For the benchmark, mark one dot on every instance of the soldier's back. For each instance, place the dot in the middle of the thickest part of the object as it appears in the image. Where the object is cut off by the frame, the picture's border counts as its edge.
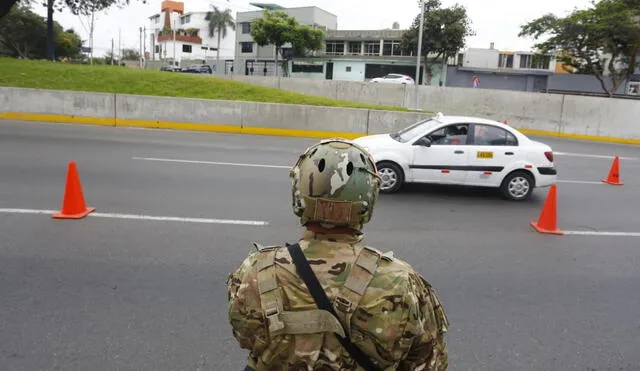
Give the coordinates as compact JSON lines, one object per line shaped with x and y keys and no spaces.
{"x":398,"y":320}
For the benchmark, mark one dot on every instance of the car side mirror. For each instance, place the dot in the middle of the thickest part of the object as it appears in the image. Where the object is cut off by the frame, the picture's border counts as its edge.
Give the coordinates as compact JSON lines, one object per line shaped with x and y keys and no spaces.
{"x":425,"y":142}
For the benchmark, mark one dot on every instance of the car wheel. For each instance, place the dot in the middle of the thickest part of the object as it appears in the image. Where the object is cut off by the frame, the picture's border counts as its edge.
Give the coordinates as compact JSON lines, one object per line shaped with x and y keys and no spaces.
{"x":517,"y":186}
{"x":391,"y":177}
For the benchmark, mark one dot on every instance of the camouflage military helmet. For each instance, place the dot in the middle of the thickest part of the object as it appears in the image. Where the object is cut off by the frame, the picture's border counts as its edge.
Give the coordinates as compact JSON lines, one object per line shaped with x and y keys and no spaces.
{"x":335,"y":182}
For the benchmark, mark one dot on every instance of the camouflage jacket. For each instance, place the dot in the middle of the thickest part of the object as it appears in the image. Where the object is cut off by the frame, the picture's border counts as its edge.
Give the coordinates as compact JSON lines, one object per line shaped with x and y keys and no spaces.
{"x":399,"y":321}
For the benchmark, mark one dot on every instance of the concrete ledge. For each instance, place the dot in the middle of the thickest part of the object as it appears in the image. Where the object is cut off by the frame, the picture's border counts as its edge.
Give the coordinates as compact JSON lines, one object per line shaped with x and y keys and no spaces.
{"x":76,"y":104}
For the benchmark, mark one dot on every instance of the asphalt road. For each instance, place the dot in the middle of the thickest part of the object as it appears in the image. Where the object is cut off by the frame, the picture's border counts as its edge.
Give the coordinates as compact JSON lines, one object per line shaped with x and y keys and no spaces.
{"x":115,"y":294}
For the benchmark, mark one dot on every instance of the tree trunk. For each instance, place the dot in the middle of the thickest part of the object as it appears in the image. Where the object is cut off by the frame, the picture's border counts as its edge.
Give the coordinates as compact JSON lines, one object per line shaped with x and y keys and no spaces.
{"x":218,"y":49}
{"x":50,"y":42}
{"x":428,"y":74}
{"x":5,"y":7}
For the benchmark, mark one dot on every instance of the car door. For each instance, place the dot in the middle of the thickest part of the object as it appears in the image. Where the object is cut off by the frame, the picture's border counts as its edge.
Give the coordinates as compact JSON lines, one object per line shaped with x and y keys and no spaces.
{"x":492,"y":149}
{"x":445,"y":159}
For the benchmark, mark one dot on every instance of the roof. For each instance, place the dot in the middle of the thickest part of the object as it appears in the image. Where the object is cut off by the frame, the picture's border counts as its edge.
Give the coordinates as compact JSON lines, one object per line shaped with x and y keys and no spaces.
{"x":269,"y":6}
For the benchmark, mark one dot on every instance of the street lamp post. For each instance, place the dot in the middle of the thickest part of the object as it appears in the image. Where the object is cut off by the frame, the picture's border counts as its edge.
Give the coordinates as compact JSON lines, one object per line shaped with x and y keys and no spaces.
{"x":421,"y":30}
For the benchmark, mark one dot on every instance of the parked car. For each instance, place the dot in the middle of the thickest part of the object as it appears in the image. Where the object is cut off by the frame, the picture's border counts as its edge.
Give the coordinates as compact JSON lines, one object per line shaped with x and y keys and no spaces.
{"x":459,"y":150}
{"x":394,"y":78}
{"x":198,"y":68}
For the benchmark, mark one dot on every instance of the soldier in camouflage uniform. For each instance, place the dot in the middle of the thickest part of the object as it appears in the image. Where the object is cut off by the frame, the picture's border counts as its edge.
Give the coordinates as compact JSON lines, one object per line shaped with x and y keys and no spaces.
{"x":392,"y":314}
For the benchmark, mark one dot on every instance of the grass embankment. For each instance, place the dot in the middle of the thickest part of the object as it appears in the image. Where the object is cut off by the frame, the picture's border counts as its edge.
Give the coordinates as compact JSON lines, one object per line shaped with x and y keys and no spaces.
{"x":123,"y":80}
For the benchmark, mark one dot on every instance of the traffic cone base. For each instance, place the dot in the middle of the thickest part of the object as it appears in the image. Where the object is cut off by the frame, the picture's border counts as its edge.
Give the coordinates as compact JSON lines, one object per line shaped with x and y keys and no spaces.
{"x":73,"y":205}
{"x":540,"y":229}
{"x":81,"y":215}
{"x":614,"y":173}
{"x":547,"y":222}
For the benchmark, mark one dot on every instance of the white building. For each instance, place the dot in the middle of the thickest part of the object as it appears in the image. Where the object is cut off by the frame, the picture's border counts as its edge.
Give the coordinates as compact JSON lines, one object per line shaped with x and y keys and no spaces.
{"x":177,"y":36}
{"x":519,"y":60}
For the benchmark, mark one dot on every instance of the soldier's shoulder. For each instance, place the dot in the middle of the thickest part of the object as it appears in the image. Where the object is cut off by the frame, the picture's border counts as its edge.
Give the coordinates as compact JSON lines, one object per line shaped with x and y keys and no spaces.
{"x":388,"y":262}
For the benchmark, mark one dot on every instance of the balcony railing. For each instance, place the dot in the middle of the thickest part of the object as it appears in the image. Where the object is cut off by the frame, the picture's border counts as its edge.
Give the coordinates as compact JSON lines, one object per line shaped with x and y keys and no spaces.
{"x":190,"y":35}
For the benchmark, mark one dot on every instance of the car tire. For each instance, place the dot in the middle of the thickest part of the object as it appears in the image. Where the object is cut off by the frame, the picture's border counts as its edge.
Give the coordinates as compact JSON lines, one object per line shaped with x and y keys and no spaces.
{"x":517,"y":186}
{"x":392,"y":176}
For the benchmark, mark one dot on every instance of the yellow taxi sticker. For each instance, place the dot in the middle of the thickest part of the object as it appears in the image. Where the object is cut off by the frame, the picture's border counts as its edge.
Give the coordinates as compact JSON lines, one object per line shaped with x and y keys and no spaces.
{"x":485,"y":154}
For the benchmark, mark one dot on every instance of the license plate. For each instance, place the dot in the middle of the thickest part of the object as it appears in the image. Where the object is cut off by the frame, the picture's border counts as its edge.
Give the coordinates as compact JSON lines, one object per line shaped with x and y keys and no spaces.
{"x":485,"y":154}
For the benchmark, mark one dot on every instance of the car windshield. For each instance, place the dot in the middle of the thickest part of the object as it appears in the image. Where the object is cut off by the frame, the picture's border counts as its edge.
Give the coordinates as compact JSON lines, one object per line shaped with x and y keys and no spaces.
{"x":410,"y":132}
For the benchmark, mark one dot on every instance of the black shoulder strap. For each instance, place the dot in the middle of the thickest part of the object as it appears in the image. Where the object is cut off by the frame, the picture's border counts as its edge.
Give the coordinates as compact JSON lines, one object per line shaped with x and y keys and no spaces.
{"x":316,"y":290}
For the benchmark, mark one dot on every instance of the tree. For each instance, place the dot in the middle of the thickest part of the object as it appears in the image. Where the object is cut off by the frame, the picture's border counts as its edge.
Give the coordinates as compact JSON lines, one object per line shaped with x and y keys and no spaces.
{"x":219,"y":21}
{"x":77,"y":7}
{"x":603,"y":41}
{"x":22,"y":35}
{"x":277,"y":28}
{"x":444,"y":33}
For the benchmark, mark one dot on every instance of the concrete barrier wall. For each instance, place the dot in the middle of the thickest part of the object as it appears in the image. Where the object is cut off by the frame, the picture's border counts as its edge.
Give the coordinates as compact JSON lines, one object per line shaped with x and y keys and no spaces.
{"x":555,"y":114}
{"x":59,"y":102}
{"x":568,"y":114}
{"x":181,"y":110}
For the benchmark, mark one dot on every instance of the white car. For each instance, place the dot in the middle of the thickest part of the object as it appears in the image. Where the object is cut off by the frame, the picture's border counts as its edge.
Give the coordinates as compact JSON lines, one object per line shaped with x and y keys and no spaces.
{"x":394,"y":78}
{"x":460,"y":150}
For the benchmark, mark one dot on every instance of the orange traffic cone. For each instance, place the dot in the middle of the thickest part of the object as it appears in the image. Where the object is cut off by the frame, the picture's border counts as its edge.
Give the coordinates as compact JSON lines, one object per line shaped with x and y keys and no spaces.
{"x":614,"y":173}
{"x":548,"y":221}
{"x":73,"y":206}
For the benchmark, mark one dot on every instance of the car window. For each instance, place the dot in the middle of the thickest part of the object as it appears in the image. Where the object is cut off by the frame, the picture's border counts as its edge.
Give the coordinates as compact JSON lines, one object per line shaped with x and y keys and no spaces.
{"x":450,"y":135}
{"x":412,"y":131}
{"x":487,"y":135}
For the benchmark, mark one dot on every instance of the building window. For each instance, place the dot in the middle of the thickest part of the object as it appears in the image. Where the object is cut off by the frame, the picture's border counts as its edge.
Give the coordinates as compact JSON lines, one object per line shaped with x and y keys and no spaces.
{"x":185,"y":19}
{"x":355,"y":47}
{"x":157,"y":48}
{"x":307,"y":68}
{"x":186,"y":48}
{"x":246,"y":27}
{"x":505,"y":61}
{"x":535,"y":61}
{"x":246,"y":47}
{"x":348,"y":69}
{"x":335,"y":48}
{"x":372,"y":48}
{"x":391,"y":48}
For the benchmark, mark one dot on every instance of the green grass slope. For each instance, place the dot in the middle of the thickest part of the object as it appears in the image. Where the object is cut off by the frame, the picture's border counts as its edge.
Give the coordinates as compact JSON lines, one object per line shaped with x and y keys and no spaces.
{"x":118,"y":79}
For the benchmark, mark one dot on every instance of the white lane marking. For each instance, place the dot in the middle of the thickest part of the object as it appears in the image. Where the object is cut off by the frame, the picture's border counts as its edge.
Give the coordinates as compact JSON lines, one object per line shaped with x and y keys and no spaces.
{"x":142,"y":217}
{"x":580,"y":182}
{"x":596,"y":233}
{"x":289,"y":167}
{"x":593,"y":156}
{"x":210,"y":162}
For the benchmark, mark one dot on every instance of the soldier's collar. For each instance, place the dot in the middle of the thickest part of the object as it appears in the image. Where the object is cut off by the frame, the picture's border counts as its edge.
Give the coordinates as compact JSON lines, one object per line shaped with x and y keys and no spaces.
{"x":338,"y":234}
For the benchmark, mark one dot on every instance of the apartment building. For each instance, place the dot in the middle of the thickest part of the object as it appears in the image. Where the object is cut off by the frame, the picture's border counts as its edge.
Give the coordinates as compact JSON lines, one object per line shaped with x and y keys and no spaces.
{"x":176,"y":35}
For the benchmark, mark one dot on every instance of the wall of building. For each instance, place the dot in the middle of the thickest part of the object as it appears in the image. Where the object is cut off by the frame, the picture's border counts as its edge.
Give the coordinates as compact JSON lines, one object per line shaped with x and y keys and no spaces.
{"x":348,"y":70}
{"x":304,"y":15}
{"x":481,"y":58}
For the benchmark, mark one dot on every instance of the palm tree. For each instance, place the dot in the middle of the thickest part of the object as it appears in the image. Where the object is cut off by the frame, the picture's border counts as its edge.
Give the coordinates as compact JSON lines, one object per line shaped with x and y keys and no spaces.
{"x":219,"y":21}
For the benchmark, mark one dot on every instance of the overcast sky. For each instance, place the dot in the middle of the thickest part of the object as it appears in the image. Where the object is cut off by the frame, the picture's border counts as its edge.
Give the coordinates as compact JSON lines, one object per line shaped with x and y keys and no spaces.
{"x":495,"y":21}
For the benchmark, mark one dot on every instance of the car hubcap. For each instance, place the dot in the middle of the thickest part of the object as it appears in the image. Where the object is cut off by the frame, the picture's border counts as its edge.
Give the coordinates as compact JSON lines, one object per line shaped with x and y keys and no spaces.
{"x":518,"y":187}
{"x":388,"y":178}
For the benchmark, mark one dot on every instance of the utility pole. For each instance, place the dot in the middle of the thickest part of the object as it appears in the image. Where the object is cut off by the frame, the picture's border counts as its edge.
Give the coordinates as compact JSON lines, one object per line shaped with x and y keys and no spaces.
{"x":419,"y":51}
{"x":140,"y":49}
{"x":119,"y":46}
{"x":91,"y":36}
{"x":112,"y":55}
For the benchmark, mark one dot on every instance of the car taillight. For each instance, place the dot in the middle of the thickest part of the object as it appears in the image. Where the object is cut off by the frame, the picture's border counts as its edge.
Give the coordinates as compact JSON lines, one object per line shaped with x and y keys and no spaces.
{"x":549,"y":155}
{"x":408,"y":78}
